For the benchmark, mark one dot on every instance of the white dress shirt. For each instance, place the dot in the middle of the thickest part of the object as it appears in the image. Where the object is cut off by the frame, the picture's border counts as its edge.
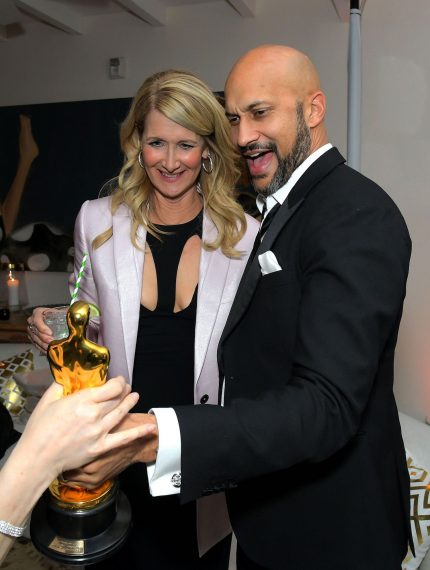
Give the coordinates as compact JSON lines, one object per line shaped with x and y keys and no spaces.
{"x":164,"y":475}
{"x":281,"y":195}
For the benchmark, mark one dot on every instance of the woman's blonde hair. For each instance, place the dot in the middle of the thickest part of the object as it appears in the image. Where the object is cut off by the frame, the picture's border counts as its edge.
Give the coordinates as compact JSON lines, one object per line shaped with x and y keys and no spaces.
{"x":186,"y":100}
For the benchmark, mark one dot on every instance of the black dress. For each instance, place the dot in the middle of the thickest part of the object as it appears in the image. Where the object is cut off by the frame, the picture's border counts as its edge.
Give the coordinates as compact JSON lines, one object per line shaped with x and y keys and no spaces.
{"x":164,"y":532}
{"x":8,"y":436}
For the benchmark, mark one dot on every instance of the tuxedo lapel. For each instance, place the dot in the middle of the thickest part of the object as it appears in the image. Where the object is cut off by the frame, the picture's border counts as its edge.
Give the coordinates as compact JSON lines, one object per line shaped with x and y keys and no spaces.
{"x":252,"y":271}
{"x":312,"y":176}
{"x":129,"y":268}
{"x":212,"y":277}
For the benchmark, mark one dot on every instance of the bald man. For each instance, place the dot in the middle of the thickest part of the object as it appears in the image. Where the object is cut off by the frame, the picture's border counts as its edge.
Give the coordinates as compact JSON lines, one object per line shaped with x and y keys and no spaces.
{"x":306,"y":442}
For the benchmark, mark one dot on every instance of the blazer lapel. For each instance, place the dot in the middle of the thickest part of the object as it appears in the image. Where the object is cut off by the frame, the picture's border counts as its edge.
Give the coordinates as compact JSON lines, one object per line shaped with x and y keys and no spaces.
{"x":212,"y":277}
{"x":129,"y":269}
{"x":314,"y":174}
{"x":129,"y":263}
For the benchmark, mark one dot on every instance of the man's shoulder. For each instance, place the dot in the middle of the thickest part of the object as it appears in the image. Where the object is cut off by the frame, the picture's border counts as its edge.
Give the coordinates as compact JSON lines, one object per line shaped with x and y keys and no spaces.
{"x":345,"y":190}
{"x":347,"y":184}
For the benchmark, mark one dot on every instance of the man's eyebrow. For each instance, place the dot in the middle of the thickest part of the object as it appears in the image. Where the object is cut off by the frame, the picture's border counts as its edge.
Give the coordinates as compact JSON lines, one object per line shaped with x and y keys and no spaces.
{"x":250,"y":107}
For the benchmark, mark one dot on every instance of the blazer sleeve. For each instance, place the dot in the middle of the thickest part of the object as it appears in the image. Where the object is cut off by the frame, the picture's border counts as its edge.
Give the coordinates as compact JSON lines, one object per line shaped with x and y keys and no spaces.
{"x":353,"y":268}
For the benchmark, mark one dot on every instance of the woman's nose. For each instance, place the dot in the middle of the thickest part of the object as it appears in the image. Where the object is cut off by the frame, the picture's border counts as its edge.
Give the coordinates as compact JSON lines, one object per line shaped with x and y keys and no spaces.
{"x":171,"y":161}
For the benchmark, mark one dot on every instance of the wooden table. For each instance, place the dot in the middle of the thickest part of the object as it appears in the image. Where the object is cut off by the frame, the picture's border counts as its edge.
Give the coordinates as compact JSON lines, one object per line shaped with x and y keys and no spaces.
{"x":15,"y":328}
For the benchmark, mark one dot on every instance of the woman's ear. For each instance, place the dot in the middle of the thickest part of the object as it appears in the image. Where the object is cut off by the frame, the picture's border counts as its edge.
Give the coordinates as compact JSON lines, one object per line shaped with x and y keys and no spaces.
{"x":205,"y":153}
{"x":316,"y":109}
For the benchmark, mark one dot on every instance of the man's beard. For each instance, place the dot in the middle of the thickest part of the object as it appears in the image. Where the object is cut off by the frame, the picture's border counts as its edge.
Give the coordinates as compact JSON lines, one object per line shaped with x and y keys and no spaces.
{"x":287,"y":165}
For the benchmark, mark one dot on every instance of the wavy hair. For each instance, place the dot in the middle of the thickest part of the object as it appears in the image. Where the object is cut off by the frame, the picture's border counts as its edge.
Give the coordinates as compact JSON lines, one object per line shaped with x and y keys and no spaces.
{"x":183,"y":98}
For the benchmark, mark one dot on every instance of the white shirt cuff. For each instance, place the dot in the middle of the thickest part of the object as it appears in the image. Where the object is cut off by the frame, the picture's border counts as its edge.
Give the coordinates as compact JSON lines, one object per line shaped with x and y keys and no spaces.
{"x":164,"y":475}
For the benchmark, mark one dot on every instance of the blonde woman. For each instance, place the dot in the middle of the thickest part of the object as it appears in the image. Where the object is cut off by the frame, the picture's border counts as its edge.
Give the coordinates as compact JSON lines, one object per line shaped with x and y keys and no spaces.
{"x":166,"y":253}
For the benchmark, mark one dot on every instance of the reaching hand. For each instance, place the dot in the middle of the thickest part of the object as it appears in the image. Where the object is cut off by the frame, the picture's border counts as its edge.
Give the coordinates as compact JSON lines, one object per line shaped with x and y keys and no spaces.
{"x":108,"y":465}
{"x":65,"y":433}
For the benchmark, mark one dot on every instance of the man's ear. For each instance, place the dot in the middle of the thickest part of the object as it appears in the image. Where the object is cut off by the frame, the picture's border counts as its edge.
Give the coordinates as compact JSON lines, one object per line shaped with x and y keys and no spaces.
{"x":316,"y":109}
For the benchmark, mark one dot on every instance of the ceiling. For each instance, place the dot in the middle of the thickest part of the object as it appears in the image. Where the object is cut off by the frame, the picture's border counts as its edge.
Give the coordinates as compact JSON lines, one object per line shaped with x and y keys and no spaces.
{"x":70,"y":15}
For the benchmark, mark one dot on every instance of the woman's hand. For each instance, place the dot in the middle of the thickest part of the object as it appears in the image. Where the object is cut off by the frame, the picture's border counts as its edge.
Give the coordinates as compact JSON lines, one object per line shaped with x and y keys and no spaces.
{"x":110,"y":464}
{"x":65,"y":433}
{"x":39,"y":333}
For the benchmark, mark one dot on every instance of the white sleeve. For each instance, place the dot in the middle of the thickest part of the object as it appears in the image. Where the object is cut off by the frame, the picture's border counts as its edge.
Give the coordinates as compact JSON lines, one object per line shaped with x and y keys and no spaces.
{"x":164,"y":475}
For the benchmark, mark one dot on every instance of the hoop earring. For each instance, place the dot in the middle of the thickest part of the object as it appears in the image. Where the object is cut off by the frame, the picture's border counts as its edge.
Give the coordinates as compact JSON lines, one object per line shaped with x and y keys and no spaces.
{"x":211,"y":164}
{"x":140,"y":160}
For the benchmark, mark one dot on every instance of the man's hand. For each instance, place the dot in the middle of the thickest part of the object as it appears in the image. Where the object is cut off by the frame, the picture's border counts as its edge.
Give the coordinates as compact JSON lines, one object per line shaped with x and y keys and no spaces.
{"x":114,"y":462}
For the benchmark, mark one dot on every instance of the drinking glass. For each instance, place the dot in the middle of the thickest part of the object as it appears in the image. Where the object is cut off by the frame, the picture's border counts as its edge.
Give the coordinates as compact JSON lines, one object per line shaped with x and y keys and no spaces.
{"x":56,"y":319}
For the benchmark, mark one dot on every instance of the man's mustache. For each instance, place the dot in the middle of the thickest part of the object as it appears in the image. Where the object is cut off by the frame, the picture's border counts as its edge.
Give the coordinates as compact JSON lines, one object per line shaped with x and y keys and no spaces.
{"x":256,"y":146}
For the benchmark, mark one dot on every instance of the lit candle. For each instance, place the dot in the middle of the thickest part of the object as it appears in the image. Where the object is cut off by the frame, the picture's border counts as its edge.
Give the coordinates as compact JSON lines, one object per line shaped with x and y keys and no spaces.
{"x":13,"y":291}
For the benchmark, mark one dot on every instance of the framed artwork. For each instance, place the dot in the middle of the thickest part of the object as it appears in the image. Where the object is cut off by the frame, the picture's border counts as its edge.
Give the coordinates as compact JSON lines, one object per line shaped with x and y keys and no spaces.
{"x":77,"y":151}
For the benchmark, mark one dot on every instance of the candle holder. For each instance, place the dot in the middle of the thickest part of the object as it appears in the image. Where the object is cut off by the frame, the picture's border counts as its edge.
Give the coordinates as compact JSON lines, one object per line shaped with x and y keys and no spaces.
{"x":12,"y":283}
{"x":72,"y":524}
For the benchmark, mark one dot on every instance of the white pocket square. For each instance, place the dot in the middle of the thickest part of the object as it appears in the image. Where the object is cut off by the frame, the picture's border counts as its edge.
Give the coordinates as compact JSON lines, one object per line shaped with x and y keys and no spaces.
{"x":268,"y":263}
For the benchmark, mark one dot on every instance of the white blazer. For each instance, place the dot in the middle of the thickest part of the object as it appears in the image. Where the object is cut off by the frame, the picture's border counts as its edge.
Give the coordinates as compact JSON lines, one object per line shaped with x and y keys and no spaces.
{"x":112,"y":280}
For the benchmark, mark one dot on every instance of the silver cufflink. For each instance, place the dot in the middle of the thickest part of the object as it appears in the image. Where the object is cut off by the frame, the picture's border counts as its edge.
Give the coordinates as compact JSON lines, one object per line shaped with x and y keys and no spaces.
{"x":176,"y":479}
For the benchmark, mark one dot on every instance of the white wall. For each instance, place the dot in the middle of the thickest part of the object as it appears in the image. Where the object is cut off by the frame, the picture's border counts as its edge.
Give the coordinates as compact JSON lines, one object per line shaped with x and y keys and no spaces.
{"x":396,"y":153}
{"x":47,"y":65}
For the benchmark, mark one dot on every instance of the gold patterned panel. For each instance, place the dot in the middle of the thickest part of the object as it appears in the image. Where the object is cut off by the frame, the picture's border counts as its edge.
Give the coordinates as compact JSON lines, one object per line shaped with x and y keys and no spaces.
{"x":420,"y":514}
{"x":12,"y":396}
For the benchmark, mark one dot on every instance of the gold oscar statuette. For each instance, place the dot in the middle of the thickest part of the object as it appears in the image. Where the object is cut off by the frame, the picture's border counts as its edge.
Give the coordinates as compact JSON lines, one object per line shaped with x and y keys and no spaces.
{"x":71,"y":523}
{"x":78,"y":363}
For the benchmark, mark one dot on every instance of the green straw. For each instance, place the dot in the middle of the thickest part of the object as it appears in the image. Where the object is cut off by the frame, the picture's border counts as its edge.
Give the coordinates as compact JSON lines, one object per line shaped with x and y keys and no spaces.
{"x":78,"y":280}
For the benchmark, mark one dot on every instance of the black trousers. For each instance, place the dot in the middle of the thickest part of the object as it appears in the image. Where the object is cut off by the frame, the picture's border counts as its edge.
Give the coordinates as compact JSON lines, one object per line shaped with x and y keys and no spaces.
{"x":166,"y":557}
{"x":245,"y":563}
{"x":163,"y":536}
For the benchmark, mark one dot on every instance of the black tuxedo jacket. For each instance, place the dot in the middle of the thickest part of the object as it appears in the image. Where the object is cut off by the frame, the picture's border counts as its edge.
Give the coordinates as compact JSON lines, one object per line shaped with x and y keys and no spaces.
{"x":308,"y":444}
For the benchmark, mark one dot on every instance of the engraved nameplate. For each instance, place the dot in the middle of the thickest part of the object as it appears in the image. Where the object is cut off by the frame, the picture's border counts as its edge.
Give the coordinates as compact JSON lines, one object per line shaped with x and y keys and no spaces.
{"x":67,"y":546}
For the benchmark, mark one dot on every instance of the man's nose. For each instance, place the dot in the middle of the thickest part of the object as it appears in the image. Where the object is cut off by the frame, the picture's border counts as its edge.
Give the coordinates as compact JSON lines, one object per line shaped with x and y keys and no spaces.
{"x":245,"y":133}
